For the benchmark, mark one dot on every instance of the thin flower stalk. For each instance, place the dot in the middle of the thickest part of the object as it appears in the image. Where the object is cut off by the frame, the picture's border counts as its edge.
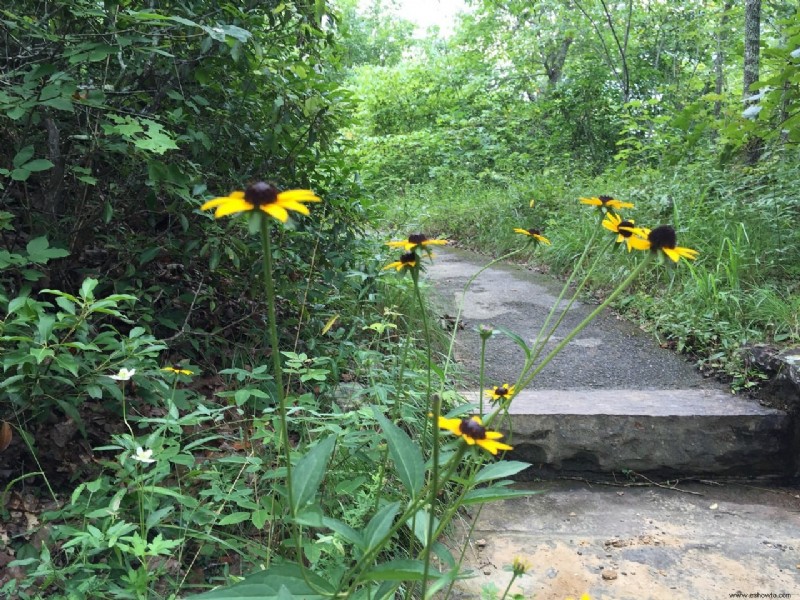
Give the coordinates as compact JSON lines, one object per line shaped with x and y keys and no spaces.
{"x":277,"y":369}
{"x":541,"y":338}
{"x":580,"y":327}
{"x":540,"y":344}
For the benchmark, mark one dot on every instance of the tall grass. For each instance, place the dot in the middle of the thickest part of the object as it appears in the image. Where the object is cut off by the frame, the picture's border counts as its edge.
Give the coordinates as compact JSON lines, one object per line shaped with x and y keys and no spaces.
{"x":744,"y":287}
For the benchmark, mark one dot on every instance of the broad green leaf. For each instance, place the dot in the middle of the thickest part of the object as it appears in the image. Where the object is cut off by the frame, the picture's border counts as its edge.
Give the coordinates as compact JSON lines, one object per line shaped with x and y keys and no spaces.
{"x":87,"y":288}
{"x":259,"y":517}
{"x":23,"y":156}
{"x":267,"y":584}
{"x":401,"y":569}
{"x":344,"y":530}
{"x":500,"y":469}
{"x":310,"y":516}
{"x":405,"y":454}
{"x":491,"y":494}
{"x":379,"y":525}
{"x":40,"y":164}
{"x":419,"y":525}
{"x":308,"y":473}
{"x":234,"y":518}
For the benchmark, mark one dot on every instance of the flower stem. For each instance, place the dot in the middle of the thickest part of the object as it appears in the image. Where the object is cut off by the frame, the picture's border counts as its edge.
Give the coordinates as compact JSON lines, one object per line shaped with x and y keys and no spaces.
{"x":591,"y":317}
{"x":277,"y":371}
{"x":434,"y":405}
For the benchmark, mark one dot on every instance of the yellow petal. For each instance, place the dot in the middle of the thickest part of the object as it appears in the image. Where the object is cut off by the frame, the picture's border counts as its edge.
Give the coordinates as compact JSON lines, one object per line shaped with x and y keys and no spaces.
{"x":639,"y":243}
{"x":298,"y":196}
{"x":592,"y":201}
{"x":275,"y":211}
{"x":295,"y":206}
{"x":231,"y":206}
{"x":451,"y":425}
{"x":434,"y":242}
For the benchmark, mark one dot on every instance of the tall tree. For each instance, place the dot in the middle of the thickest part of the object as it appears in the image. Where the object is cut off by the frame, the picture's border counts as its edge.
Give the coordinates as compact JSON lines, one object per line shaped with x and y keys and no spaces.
{"x":752,"y":41}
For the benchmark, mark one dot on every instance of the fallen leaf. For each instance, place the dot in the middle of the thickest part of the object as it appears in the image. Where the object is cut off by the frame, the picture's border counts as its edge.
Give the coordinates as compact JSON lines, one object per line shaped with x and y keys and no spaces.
{"x":5,"y":435}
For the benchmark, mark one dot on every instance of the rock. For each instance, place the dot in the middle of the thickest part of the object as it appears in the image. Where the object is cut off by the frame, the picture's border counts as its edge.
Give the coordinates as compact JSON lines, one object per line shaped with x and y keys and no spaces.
{"x":609,"y":574}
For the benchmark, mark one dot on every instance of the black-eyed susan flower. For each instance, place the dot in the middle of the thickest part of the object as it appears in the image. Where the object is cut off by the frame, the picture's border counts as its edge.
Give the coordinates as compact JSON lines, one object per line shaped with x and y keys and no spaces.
{"x":473,"y":432}
{"x":500,"y":392}
{"x":407,"y":261}
{"x":624,"y":228}
{"x":663,"y":238}
{"x":414,"y":241}
{"x":178,"y":370}
{"x":265,"y":197}
{"x":606,"y":202}
{"x":534,"y":234}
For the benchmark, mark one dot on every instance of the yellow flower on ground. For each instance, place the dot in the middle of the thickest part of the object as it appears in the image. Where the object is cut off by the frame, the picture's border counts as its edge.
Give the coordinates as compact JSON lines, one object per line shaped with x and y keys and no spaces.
{"x":178,"y":370}
{"x":583,"y":597}
{"x":407,"y":261}
{"x":520,"y":566}
{"x":665,"y":239}
{"x":606,"y":202}
{"x":624,"y":228}
{"x":500,"y":392}
{"x":473,"y":432}
{"x":533,"y":233}
{"x":414,"y":241}
{"x":265,"y":197}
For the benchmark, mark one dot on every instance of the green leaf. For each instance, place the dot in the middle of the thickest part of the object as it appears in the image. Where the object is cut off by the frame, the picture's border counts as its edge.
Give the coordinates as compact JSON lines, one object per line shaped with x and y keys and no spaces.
{"x":234,"y":518}
{"x":308,"y":473}
{"x":501,"y":469}
{"x":259,"y":517}
{"x":310,"y":516}
{"x":23,"y":156}
{"x":401,"y":569}
{"x":267,"y":584}
{"x":419,"y":525}
{"x":39,"y":250}
{"x":345,"y":531}
{"x":87,"y":288}
{"x":379,"y":525}
{"x":405,"y":454}
{"x":491,"y":494}
{"x":40,"y":164}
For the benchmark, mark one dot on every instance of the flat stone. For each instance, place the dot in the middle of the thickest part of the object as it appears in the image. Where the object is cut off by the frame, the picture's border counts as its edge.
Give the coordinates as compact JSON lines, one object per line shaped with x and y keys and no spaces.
{"x":665,"y":432}
{"x":662,"y":544}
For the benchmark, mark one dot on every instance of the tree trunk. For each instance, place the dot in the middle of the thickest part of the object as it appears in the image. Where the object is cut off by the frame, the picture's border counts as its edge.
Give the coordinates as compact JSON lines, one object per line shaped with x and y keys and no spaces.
{"x":752,"y":37}
{"x":554,"y":62}
{"x":719,"y":59}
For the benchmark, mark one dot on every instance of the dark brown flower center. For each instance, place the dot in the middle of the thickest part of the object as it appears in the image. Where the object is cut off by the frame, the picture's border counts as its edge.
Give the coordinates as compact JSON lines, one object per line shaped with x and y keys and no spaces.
{"x":501,"y":391}
{"x":623,"y":232}
{"x":535,"y":231}
{"x":408,"y":258}
{"x":605,"y":199}
{"x":261,"y":193}
{"x":662,"y":237}
{"x":417,"y":238}
{"x":473,"y":429}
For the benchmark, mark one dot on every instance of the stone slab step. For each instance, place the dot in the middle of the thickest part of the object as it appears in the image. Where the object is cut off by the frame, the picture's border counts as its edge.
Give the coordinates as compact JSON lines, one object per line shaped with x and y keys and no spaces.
{"x":665,"y":432}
